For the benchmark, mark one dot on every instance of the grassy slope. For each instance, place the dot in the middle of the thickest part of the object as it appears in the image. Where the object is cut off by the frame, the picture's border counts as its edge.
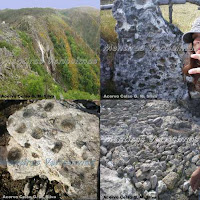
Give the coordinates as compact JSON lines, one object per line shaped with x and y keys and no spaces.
{"x":108,"y":26}
{"x":103,"y":2}
{"x":89,"y":18}
{"x":183,"y":15}
{"x":59,"y":27}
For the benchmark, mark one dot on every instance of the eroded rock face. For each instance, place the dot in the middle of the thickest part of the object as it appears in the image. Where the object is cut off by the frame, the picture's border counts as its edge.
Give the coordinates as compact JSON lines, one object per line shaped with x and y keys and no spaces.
{"x":105,"y":68}
{"x":149,"y":59}
{"x":53,"y":139}
{"x":9,"y":64}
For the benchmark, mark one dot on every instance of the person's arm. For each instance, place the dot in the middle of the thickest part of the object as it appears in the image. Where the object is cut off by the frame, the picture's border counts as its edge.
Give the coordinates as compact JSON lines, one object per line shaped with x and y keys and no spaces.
{"x":195,"y":179}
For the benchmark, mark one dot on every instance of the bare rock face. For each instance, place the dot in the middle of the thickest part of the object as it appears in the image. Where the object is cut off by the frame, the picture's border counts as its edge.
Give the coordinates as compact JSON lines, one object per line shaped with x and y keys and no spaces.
{"x":105,"y":68}
{"x":53,"y":139}
{"x":149,"y":58}
{"x":10,"y":64}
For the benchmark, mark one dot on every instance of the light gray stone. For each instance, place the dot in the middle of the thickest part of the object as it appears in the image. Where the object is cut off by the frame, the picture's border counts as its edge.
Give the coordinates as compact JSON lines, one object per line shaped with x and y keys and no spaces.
{"x":147,"y":185}
{"x":162,"y":187}
{"x":103,"y":150}
{"x":111,"y":184}
{"x":154,"y":181}
{"x":27,"y":189}
{"x":195,"y":159}
{"x":56,"y":145}
{"x":186,"y":186}
{"x":170,"y":180}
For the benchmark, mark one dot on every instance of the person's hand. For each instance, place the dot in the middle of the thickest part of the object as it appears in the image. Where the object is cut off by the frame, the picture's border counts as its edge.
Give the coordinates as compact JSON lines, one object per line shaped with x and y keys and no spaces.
{"x":195,"y":70}
{"x":196,"y":56}
{"x":195,"y":179}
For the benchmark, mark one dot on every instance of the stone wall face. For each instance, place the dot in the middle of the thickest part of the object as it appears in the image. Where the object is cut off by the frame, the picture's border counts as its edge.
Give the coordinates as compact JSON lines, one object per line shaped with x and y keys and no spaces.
{"x":147,"y":61}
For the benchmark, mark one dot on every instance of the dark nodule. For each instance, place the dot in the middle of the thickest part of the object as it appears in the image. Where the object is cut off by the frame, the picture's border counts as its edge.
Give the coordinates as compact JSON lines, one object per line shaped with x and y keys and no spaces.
{"x":68,"y":124}
{"x":37,"y":133}
{"x":14,"y":155}
{"x":48,"y":107}
{"x":57,"y":147}
{"x":28,"y":113}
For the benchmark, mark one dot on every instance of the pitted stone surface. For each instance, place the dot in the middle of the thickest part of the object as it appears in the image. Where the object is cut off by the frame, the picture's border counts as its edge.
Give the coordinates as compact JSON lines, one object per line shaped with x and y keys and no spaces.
{"x":153,"y":143}
{"x":151,"y":61}
{"x":53,"y":139}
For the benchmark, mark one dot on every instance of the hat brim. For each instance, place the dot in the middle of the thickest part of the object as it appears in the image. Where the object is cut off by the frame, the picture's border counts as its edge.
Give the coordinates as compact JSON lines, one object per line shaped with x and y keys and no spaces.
{"x":187,"y":37}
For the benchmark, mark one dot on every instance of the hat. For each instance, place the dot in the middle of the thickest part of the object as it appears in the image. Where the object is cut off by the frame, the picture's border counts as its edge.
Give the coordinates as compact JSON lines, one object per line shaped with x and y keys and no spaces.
{"x":187,"y":37}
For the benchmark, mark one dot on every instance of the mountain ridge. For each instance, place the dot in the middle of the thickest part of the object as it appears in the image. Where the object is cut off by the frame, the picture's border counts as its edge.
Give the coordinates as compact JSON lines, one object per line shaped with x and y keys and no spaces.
{"x":47,"y":36}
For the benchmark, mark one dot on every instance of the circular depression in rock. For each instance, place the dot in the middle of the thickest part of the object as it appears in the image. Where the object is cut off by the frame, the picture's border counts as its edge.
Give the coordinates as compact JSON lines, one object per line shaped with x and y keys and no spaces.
{"x":10,"y":121}
{"x":66,"y":124}
{"x":37,"y":133}
{"x":64,"y":171}
{"x":14,"y":155}
{"x":76,"y":183}
{"x":48,"y":106}
{"x":28,"y":113}
{"x":21,"y":129}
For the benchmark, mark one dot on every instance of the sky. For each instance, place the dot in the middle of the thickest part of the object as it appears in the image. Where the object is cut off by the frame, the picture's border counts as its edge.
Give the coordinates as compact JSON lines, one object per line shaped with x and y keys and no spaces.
{"x":60,"y":4}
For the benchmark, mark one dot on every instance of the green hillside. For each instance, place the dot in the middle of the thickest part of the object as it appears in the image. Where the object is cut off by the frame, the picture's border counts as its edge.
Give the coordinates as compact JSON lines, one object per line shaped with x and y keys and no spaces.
{"x":90,"y":17}
{"x":59,"y":61}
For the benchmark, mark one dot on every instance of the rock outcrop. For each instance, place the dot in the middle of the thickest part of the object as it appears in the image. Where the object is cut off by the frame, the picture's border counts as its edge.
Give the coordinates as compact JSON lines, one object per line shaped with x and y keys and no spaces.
{"x":150,"y":52}
{"x":105,"y":68}
{"x":52,"y":139}
{"x":153,"y":144}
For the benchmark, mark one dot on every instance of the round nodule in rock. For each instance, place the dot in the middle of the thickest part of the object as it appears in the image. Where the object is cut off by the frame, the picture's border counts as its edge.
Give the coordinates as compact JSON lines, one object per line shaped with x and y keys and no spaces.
{"x":37,"y":133}
{"x":14,"y":155}
{"x":48,"y":107}
{"x":27,"y":145}
{"x":28,"y":113}
{"x":67,"y":125}
{"x":76,"y":183}
{"x":21,"y":129}
{"x":65,"y":171}
{"x":57,"y":147}
{"x":10,"y":121}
